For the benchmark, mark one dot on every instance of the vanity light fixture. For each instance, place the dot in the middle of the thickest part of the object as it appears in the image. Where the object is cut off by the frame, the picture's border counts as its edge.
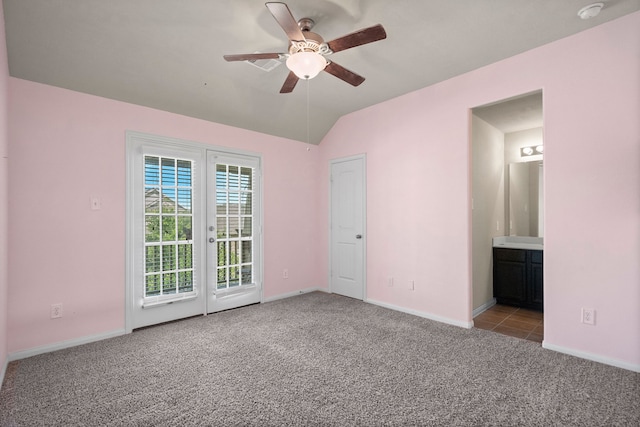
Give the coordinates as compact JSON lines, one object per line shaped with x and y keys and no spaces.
{"x":590,"y":11}
{"x":531,"y":151}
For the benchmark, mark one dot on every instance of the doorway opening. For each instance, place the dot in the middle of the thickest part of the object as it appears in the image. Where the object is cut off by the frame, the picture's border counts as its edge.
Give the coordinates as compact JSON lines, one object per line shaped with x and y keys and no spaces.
{"x":507,"y":216}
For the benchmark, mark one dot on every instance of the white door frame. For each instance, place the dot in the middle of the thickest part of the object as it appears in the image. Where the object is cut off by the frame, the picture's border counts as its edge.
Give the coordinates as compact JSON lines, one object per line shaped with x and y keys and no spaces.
{"x":135,"y":141}
{"x":362,"y":157}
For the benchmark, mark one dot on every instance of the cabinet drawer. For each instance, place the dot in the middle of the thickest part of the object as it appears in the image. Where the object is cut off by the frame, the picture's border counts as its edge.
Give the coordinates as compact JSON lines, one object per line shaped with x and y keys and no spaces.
{"x":516,"y":255}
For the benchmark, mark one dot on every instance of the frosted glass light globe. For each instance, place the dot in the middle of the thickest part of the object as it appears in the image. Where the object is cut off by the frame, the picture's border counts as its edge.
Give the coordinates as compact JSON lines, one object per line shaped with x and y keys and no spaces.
{"x":306,"y":65}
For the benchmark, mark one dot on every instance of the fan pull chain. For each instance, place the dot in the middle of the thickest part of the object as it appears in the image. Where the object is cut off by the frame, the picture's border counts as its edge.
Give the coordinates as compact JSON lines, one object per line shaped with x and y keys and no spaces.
{"x":308,"y":110}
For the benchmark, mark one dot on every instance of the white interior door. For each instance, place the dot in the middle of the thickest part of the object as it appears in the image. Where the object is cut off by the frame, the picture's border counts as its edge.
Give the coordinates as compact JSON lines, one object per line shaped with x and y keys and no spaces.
{"x":348,"y":227}
{"x":193,"y":230}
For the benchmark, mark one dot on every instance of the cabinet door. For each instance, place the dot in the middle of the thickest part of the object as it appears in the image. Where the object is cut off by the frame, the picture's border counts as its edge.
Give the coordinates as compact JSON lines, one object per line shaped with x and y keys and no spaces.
{"x":535,"y":280}
{"x":509,"y":282}
{"x":509,"y":276}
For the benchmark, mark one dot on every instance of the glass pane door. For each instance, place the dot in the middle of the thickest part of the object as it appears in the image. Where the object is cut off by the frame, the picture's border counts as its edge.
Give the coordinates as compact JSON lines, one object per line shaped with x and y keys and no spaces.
{"x":233,"y":240}
{"x":165,"y":273}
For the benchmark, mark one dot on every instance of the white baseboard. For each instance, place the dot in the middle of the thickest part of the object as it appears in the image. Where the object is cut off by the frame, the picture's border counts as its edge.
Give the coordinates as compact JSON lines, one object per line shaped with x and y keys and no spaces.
{"x":592,"y":357}
{"x":293,"y":294}
{"x":466,"y":325}
{"x":484,"y":307}
{"x":23,"y":354}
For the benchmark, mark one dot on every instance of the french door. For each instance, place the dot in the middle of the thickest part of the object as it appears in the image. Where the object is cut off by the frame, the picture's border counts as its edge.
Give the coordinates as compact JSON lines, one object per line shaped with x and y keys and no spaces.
{"x":193,"y":230}
{"x":232,"y":232}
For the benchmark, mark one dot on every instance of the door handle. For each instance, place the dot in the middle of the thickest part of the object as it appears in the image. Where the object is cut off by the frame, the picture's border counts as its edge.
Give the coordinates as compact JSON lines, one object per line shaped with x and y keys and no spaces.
{"x":358,"y":236}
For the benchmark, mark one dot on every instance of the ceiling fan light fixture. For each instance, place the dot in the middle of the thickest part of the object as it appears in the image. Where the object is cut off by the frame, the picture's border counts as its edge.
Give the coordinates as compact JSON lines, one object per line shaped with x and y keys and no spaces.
{"x":306,"y":65}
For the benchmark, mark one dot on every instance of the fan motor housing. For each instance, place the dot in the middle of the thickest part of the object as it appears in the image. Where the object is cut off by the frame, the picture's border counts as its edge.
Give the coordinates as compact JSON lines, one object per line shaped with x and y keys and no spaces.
{"x":313,"y":43}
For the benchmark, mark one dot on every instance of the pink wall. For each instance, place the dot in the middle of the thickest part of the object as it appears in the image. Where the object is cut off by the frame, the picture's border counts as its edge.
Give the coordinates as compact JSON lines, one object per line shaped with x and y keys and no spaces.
{"x":4,"y":200}
{"x":418,"y":206}
{"x":67,"y":146}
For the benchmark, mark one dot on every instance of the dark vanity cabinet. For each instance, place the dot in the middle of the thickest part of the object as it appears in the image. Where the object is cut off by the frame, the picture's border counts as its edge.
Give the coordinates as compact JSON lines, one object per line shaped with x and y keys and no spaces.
{"x":517,"y":277}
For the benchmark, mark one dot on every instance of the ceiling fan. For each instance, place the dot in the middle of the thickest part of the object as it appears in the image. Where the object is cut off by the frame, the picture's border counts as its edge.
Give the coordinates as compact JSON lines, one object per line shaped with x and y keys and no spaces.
{"x":308,"y":51}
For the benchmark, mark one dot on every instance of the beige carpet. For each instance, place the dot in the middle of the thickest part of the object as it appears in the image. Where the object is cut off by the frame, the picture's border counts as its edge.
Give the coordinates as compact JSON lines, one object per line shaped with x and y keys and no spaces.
{"x":316,"y":360}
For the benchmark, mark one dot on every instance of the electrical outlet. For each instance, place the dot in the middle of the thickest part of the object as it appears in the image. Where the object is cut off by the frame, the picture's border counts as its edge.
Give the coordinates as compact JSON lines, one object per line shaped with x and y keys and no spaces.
{"x":588,"y":316}
{"x":412,"y":285}
{"x":390,"y":282}
{"x":285,"y":273}
{"x":56,"y":311}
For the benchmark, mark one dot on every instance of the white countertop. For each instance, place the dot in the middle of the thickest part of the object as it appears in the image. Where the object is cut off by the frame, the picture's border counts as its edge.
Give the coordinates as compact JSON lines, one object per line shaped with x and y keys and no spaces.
{"x":519,"y":242}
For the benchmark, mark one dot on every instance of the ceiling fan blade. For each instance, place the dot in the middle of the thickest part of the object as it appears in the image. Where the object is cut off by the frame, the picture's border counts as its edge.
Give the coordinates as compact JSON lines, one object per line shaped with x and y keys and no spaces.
{"x":282,"y":14}
{"x":364,"y":36}
{"x":289,"y":83}
{"x":251,"y":56}
{"x":342,"y":73}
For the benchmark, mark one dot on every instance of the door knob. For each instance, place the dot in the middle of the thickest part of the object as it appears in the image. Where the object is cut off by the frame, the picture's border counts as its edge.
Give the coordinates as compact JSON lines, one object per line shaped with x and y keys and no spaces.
{"x":358,"y":236}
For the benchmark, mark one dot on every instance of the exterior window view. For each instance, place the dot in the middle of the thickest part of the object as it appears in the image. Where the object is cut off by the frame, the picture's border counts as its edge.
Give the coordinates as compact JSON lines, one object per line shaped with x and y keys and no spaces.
{"x":234,"y":231}
{"x":168,"y":226}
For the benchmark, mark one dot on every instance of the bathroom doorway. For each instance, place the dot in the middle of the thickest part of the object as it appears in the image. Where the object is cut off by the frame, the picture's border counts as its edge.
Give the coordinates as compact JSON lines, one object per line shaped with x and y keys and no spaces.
{"x":507,"y":206}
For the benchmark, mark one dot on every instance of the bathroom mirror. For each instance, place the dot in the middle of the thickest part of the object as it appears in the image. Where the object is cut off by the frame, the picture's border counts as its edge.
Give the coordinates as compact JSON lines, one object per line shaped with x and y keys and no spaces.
{"x":525,"y":199}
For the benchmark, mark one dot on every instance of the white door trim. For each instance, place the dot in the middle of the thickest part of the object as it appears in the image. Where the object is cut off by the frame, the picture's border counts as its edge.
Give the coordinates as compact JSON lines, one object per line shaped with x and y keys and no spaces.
{"x":362,"y":157}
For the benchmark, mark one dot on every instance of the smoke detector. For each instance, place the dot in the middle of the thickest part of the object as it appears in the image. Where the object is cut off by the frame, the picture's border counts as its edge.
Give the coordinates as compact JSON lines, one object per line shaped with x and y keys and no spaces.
{"x":590,"y":11}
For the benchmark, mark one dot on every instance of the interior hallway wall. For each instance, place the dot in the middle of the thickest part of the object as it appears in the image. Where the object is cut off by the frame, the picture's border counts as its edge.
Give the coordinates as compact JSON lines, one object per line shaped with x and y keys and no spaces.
{"x":488,"y":210}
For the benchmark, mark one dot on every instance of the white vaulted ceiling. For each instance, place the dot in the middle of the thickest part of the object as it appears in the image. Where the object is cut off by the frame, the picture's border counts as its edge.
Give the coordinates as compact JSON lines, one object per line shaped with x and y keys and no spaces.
{"x":167,"y":54}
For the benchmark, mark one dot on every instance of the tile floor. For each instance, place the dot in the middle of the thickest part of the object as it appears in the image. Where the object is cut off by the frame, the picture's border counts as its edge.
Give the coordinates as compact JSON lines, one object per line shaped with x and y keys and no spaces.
{"x":512,"y":321}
